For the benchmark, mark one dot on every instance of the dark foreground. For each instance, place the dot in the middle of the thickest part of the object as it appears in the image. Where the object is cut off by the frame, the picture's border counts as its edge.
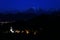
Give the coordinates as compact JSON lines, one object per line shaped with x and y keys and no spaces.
{"x":40,"y":24}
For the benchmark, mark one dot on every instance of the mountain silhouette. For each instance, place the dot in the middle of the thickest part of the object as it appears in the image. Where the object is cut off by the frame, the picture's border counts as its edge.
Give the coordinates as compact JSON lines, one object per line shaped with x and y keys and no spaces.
{"x":28,"y":14}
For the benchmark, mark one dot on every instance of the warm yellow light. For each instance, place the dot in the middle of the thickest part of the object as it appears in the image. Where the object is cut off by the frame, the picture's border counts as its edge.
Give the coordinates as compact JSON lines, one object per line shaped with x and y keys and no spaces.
{"x":22,"y":31}
{"x":35,"y":33}
{"x":27,"y":31}
{"x":17,"y":31}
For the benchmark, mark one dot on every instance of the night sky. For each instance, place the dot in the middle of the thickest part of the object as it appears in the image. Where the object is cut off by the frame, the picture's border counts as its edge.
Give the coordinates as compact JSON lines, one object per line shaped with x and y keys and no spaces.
{"x":26,"y":4}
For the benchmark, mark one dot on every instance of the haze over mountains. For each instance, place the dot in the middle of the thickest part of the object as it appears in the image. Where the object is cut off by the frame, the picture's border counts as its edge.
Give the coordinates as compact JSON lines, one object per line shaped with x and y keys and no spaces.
{"x":4,"y":11}
{"x":25,"y":15}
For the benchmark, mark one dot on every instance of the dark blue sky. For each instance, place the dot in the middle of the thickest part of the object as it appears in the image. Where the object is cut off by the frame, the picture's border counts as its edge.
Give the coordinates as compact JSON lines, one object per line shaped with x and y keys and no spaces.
{"x":25,"y":4}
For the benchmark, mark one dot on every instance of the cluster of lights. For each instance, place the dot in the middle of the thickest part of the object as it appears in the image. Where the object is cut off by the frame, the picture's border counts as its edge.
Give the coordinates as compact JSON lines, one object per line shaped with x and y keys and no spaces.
{"x":18,"y":31}
{"x":6,"y":22}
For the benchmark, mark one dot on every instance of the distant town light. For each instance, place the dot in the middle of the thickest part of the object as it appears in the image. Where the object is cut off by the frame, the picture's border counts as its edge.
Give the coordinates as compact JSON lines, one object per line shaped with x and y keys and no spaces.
{"x":11,"y":29}
{"x":17,"y":31}
{"x":22,"y":31}
{"x":27,"y":31}
{"x":35,"y":33}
